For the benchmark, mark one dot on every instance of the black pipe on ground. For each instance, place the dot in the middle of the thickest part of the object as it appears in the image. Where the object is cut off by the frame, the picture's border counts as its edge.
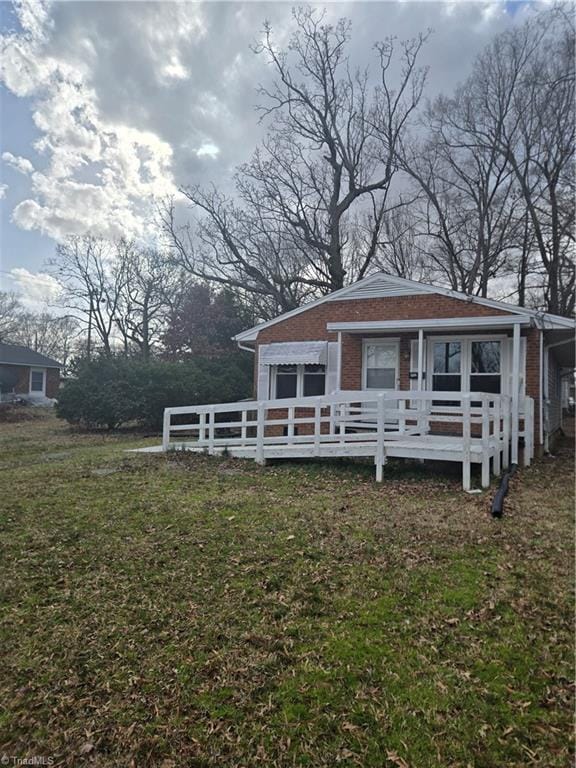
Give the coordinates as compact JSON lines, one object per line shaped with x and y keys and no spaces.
{"x":498,"y":500}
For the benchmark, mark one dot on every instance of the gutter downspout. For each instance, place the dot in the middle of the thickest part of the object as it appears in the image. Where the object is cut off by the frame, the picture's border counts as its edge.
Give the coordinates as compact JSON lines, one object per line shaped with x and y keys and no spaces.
{"x":245,"y":348}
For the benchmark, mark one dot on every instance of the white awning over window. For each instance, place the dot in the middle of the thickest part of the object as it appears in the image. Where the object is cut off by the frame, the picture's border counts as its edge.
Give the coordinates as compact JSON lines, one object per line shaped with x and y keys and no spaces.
{"x":294,"y":353}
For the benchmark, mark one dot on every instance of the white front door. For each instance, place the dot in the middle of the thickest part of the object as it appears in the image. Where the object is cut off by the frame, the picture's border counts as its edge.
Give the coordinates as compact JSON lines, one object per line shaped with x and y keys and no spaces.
{"x":380,"y":364}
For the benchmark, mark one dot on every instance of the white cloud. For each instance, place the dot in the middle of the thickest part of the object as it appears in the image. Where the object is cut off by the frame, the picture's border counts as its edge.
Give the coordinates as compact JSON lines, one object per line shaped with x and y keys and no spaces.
{"x":130,"y":100}
{"x":103,"y":176}
{"x":208,"y":149}
{"x":3,"y":190}
{"x":21,"y":164}
{"x":36,"y":288}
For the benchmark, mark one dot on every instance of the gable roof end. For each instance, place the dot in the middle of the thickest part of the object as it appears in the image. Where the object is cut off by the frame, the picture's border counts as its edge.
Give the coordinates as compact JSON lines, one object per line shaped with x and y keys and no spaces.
{"x":381,"y":285}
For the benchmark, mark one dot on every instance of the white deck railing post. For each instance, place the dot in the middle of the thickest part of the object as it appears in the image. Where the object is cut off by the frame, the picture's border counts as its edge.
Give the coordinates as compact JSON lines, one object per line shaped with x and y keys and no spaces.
{"x":260,"y":427}
{"x":317,"y":425}
{"x":497,"y":436}
{"x":466,"y":442}
{"x":202,"y":429}
{"x":166,"y":429}
{"x":506,"y":428}
{"x":528,"y":430}
{"x":244,"y":425}
{"x":402,"y":416}
{"x":211,"y":431}
{"x":485,"y":442}
{"x":380,"y":457}
{"x":291,"y":417}
{"x":332,"y":418}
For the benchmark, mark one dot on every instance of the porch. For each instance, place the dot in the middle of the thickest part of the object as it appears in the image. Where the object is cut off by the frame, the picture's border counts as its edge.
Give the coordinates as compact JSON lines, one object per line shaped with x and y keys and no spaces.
{"x":470,"y":428}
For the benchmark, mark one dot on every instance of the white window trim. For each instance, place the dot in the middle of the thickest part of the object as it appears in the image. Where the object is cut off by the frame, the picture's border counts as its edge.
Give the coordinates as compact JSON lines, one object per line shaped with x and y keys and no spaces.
{"x":37,"y":392}
{"x":366,"y":342}
{"x":466,"y":358}
{"x":299,"y":378}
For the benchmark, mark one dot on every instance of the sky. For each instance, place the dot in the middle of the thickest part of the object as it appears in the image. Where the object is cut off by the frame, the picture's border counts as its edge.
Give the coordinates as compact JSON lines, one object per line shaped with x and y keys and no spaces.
{"x":108,"y":107}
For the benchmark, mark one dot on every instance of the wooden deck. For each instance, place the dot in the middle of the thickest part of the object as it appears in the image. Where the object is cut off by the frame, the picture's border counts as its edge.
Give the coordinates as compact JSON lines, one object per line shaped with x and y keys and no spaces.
{"x":470,"y":428}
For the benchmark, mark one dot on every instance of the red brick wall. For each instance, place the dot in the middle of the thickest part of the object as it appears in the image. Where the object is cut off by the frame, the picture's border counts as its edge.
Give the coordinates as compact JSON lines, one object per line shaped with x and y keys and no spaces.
{"x":310,"y":325}
{"x":22,"y":386}
{"x":52,"y":382}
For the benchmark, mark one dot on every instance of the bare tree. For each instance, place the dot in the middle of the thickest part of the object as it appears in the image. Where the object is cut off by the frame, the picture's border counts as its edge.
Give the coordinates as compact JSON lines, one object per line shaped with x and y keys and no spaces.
{"x":92,"y":282}
{"x":399,"y":250}
{"x":235,"y":246}
{"x":317,"y":188}
{"x":10,"y":312}
{"x":467,"y":214}
{"x":517,"y":108}
{"x":146,"y":281}
{"x":51,"y":335}
{"x":331,"y":141}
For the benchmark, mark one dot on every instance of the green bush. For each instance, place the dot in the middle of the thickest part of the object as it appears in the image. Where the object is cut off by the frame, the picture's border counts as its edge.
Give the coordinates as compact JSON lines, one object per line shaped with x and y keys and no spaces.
{"x":109,"y":392}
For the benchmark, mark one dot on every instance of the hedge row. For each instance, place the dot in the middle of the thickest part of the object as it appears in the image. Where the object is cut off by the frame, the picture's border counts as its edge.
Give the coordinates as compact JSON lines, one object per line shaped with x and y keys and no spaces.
{"x":109,"y":392}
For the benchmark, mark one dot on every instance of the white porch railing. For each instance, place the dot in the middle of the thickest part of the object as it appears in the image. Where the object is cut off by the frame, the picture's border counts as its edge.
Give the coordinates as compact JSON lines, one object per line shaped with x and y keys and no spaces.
{"x":468,"y":427}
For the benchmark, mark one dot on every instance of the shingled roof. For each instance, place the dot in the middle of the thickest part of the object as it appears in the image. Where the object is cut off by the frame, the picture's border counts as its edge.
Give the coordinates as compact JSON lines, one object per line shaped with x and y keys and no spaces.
{"x":14,"y":354}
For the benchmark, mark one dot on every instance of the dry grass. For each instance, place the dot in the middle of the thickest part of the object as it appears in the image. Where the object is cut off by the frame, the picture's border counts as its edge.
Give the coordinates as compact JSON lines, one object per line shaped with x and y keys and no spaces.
{"x":188,"y":611}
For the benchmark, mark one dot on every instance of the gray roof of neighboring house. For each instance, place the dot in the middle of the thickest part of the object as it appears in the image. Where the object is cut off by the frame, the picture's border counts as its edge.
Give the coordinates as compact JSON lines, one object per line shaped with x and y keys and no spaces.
{"x":14,"y":354}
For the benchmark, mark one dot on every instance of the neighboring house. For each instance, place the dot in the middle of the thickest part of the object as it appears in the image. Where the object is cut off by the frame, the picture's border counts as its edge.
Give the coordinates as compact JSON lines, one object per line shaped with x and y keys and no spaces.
{"x":397,"y":341}
{"x":27,"y":374}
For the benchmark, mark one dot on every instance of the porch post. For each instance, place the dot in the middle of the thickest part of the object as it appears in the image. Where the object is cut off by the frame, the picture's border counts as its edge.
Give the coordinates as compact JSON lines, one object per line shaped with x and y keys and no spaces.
{"x":339,"y":363}
{"x":420,"y":358}
{"x":515,"y":390}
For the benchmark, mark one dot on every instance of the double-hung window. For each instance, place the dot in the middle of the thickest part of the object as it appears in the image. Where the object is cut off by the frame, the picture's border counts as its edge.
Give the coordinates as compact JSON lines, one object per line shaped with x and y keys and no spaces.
{"x":36,"y":381}
{"x":306,"y":380}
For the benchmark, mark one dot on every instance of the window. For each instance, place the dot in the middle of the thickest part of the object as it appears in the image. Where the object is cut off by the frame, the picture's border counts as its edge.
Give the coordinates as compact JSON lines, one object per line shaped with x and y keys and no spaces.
{"x":381,"y":361}
{"x":485,"y":367}
{"x":286,"y":381}
{"x":37,"y":381}
{"x":447,"y":362}
{"x":314,"y":380}
{"x":298,"y":381}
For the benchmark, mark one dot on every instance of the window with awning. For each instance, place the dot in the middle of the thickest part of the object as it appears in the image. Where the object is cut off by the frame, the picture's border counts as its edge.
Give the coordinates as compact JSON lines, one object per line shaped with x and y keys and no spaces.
{"x":294,"y":353}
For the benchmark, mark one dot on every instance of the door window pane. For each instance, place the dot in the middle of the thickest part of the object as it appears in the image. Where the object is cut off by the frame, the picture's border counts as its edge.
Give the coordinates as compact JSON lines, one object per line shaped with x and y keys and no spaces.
{"x":37,"y":381}
{"x":381,"y":363}
{"x":286,"y":381}
{"x":446,"y":382}
{"x":380,"y":378}
{"x":485,"y":357}
{"x":485,"y":383}
{"x":314,"y":380}
{"x":447,"y":357}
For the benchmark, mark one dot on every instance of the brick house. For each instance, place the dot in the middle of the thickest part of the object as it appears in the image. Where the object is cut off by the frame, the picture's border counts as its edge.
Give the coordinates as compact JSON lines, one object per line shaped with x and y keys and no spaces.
{"x":390,"y":367}
{"x":27,"y":374}
{"x":389,"y":333}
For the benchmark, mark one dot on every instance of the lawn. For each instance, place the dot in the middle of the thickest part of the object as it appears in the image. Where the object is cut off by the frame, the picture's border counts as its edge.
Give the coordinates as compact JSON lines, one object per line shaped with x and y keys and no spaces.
{"x":184,"y":610}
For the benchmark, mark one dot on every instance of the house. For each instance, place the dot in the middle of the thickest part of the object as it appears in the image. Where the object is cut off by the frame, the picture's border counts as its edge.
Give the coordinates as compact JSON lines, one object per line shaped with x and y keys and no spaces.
{"x":393,"y":367}
{"x":27,"y":374}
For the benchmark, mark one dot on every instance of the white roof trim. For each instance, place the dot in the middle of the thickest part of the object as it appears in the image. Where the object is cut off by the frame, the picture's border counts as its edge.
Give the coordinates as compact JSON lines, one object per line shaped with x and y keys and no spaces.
{"x":544,"y":319}
{"x":294,"y":353}
{"x":430,"y":323}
